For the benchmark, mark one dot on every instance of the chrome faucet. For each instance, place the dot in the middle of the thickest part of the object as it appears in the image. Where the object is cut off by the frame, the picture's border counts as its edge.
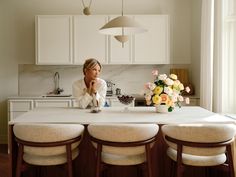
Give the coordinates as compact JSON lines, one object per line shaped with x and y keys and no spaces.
{"x":57,"y":89}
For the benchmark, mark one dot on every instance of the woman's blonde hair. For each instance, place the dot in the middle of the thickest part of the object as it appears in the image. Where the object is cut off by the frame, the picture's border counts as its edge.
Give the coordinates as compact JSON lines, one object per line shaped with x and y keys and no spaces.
{"x":90,"y":64}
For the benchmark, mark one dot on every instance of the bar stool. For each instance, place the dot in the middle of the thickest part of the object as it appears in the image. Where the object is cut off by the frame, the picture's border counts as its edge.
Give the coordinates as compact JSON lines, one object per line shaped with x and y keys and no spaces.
{"x":47,"y":144}
{"x":123,"y":144}
{"x":200,"y":145}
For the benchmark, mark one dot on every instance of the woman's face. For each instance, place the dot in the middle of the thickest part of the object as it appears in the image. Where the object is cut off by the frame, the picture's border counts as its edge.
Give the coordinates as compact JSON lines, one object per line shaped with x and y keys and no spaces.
{"x":92,"y":73}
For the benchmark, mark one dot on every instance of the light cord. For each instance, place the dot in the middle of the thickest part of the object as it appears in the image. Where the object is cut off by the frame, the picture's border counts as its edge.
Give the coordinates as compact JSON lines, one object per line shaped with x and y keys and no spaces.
{"x":85,"y":5}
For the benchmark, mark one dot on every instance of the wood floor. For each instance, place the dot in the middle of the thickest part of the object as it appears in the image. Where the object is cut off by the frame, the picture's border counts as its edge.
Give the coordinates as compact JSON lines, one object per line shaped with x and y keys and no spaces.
{"x":3,"y":161}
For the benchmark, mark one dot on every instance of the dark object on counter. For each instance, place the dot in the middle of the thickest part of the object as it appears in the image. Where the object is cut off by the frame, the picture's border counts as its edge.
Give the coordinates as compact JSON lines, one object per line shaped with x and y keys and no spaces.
{"x":95,"y":111}
{"x":118,"y":91}
{"x":140,"y":102}
{"x":125,"y":99}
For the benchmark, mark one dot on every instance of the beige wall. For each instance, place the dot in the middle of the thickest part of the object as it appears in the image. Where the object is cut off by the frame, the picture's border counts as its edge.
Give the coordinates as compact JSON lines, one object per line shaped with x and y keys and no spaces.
{"x":17,"y":33}
{"x":195,"y":45}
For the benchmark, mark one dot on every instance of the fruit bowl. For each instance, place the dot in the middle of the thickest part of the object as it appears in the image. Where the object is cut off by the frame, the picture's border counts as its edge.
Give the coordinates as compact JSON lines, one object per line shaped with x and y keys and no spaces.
{"x":125,"y":99}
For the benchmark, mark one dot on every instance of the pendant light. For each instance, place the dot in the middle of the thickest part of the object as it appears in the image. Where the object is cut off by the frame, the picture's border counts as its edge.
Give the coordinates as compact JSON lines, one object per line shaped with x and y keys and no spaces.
{"x":121,"y":27}
{"x":86,"y":9}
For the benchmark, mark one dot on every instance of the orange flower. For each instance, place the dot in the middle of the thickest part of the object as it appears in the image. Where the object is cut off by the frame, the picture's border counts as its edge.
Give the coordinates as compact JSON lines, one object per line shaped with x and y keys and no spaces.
{"x":164,"y":98}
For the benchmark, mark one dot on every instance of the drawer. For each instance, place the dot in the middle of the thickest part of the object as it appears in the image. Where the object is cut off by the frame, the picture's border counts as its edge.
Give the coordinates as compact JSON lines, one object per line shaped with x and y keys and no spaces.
{"x":20,"y":105}
{"x":74,"y":103}
{"x":13,"y":115}
{"x":52,"y":103}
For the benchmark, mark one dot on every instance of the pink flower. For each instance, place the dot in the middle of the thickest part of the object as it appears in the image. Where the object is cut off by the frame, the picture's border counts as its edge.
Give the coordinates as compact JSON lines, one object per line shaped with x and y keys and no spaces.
{"x":146,"y":86}
{"x":187,"y":89}
{"x":155,"y":72}
{"x":187,"y":101}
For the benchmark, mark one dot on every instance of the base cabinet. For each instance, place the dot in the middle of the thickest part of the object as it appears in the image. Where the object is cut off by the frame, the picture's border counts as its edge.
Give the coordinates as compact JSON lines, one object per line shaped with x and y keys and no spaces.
{"x":18,"y":107}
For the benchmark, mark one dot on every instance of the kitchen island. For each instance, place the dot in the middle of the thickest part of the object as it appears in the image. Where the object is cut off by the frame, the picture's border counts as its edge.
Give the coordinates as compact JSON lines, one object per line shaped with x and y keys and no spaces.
{"x":85,"y":164}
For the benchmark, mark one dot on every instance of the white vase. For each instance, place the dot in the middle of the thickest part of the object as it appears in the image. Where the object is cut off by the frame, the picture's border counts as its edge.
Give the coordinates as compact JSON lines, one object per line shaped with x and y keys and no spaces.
{"x":162,"y":108}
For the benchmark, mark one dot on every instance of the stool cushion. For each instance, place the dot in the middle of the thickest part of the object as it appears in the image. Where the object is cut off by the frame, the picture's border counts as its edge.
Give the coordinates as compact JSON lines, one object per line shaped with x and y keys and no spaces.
{"x":123,"y":159}
{"x":205,"y":133}
{"x":49,"y":160}
{"x":194,"y":160}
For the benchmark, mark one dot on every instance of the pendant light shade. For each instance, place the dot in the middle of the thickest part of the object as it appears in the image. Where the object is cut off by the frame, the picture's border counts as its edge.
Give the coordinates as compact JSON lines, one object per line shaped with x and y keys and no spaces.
{"x":122,"y":38}
{"x":122,"y":25}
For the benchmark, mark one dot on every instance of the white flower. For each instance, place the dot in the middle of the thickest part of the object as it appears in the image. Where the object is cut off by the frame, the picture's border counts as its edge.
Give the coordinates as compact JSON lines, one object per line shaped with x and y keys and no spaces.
{"x":176,"y":92}
{"x":173,"y":76}
{"x":176,"y":83}
{"x":162,"y":77}
{"x":155,"y":72}
{"x":148,"y":97}
{"x":169,"y":81}
{"x":168,"y":90}
{"x":150,"y":86}
{"x":187,"y":101}
{"x":148,"y":92}
{"x":181,"y":86}
{"x":180,"y":98}
{"x":187,"y":89}
{"x":174,"y":98}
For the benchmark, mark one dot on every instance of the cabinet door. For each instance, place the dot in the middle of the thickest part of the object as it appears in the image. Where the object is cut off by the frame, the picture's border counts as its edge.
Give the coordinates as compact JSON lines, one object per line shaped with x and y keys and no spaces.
{"x":117,"y":53}
{"x":53,"y":39}
{"x":88,"y":42}
{"x":152,"y":47}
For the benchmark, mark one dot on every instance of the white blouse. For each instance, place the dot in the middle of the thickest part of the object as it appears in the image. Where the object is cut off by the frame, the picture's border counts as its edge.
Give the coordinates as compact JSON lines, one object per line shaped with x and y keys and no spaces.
{"x":84,"y":99}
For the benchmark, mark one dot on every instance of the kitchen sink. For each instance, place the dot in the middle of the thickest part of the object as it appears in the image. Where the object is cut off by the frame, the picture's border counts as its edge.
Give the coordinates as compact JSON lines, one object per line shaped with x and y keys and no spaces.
{"x":55,"y":95}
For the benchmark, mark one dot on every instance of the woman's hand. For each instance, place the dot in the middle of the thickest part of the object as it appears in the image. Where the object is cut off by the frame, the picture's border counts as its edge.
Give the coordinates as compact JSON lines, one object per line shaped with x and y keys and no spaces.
{"x":92,"y":87}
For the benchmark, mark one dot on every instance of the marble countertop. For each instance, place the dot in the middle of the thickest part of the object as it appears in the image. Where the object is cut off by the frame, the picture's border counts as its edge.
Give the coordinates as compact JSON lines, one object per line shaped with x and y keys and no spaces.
{"x":186,"y":114}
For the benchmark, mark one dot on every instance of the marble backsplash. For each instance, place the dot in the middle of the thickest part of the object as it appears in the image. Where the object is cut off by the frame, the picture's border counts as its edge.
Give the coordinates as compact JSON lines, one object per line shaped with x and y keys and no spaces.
{"x":39,"y":80}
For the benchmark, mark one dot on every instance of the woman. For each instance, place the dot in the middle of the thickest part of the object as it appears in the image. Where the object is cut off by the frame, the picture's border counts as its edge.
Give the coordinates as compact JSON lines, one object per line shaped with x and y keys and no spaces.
{"x":91,"y":90}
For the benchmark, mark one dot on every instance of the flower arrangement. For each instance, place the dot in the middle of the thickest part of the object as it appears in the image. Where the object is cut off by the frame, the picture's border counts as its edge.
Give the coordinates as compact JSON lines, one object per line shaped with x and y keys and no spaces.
{"x":165,"y":91}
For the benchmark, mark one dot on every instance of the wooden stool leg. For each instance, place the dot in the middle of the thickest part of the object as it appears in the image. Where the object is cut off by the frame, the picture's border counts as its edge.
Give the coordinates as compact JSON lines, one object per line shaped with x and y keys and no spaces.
{"x":19,"y":160}
{"x":69,"y":160}
{"x":230,"y":160}
{"x":148,"y":159}
{"x":172,"y":168}
{"x":98,"y":162}
{"x":179,"y":161}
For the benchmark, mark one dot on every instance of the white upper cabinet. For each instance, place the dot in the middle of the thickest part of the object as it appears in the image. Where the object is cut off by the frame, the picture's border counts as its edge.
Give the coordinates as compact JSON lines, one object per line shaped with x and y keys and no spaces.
{"x":88,"y":42}
{"x":68,"y":39}
{"x":152,"y":47}
{"x":117,"y":53}
{"x":53,"y":40}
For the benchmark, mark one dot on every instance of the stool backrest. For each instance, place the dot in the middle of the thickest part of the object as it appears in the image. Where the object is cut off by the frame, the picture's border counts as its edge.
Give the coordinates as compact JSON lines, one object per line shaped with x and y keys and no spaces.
{"x":123,"y":139}
{"x":200,"y":133}
{"x":47,"y":133}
